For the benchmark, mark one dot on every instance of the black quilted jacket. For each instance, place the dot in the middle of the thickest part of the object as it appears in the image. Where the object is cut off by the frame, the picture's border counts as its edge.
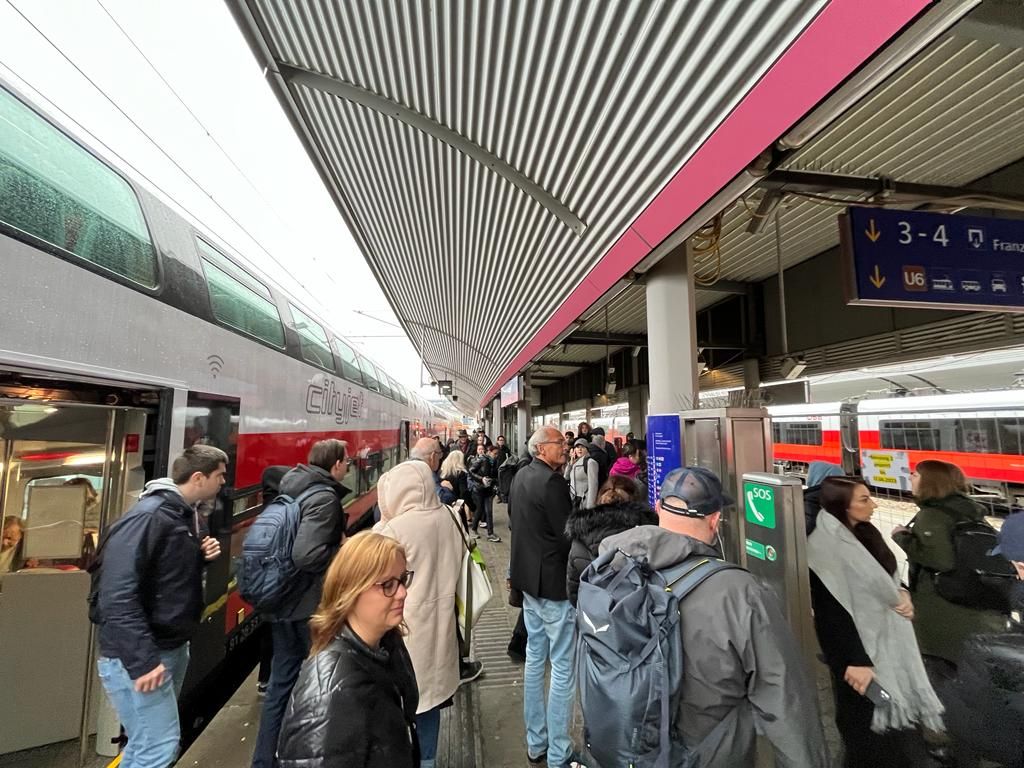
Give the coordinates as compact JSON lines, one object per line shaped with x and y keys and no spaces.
{"x":353,"y":706}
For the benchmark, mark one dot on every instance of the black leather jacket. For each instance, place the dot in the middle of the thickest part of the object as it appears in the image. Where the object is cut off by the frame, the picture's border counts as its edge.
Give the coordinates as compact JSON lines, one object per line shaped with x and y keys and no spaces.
{"x":353,"y":706}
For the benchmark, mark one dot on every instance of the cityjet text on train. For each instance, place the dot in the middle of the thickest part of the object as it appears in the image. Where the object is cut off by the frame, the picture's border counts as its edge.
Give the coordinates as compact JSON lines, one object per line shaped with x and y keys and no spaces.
{"x":326,"y":397}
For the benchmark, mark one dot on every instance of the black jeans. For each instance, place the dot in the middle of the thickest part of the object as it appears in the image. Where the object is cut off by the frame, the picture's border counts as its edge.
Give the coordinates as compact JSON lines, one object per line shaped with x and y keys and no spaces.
{"x":484,"y":511}
{"x":291,"y":647}
{"x":866,"y":749}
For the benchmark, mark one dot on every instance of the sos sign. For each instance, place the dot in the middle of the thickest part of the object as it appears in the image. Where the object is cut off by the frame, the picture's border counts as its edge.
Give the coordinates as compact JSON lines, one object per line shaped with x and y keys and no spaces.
{"x":759,"y":504}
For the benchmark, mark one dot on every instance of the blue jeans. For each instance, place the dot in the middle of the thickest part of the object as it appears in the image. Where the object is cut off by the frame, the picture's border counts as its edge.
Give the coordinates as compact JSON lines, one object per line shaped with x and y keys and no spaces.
{"x":428,"y":728}
{"x":149,"y":719}
{"x":291,"y":647}
{"x":551,"y":634}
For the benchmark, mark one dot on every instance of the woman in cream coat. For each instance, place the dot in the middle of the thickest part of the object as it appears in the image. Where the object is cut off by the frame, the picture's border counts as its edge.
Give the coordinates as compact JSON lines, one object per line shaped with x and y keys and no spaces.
{"x":412,"y":514}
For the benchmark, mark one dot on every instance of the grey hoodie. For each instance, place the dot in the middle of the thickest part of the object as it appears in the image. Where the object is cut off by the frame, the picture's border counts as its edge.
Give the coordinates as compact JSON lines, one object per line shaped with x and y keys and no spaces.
{"x":742,"y":669}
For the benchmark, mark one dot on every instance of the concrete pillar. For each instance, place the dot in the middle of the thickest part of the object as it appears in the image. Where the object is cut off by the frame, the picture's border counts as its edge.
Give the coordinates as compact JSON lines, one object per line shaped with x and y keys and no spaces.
{"x":523,"y":415}
{"x":637,"y":410}
{"x":672,"y":333}
{"x":751,"y":374}
{"x":495,"y":419}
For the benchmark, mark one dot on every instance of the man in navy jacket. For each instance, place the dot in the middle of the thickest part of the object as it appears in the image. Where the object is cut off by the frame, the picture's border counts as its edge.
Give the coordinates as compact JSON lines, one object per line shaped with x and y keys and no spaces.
{"x":148,"y":601}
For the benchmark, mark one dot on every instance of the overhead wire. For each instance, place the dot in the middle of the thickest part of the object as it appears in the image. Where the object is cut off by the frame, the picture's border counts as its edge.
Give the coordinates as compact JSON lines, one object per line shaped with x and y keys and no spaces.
{"x":152,"y":141}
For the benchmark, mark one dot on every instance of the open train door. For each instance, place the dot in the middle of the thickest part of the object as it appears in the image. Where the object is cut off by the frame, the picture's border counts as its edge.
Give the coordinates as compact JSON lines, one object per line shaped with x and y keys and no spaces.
{"x":403,"y":440}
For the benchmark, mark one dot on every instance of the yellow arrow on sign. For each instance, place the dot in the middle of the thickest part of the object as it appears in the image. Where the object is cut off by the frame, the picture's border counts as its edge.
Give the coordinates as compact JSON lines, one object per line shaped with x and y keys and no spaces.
{"x":877,"y":279}
{"x":872,"y":232}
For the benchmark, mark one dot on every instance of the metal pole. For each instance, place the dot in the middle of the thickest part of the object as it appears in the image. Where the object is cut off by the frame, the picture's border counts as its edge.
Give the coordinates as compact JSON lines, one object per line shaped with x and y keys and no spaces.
{"x":782,"y":280}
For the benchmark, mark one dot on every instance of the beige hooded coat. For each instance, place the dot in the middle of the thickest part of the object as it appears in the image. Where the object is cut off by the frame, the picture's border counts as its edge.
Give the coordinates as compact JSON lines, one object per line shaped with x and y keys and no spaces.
{"x":411,"y":513}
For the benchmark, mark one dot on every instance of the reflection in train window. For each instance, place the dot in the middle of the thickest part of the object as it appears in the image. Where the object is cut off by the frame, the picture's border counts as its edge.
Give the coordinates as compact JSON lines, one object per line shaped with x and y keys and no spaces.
{"x":349,"y":362}
{"x":910,"y":435}
{"x":312,"y":339}
{"x":236,"y":299}
{"x":213,"y":420}
{"x":796,"y":432}
{"x":52,"y":189}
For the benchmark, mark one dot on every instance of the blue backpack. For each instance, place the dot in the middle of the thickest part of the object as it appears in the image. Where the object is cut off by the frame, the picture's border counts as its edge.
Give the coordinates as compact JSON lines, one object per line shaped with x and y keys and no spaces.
{"x":629,"y":658}
{"x":267,"y":576}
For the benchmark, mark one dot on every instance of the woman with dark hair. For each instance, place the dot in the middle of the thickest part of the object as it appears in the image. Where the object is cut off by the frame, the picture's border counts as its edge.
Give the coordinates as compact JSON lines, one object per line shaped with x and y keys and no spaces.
{"x":863,"y":620}
{"x":589,"y":527}
{"x":621,"y":489}
{"x":354,"y":703}
{"x":940,"y":490}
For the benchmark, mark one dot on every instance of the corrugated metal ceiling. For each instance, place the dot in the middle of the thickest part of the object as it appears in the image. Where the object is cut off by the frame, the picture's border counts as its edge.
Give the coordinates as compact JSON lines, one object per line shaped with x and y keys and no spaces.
{"x":596,"y":103}
{"x":950,"y":116}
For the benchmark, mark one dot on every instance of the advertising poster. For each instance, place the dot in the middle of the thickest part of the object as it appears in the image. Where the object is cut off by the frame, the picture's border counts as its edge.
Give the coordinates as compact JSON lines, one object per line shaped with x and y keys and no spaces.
{"x":886,"y":469}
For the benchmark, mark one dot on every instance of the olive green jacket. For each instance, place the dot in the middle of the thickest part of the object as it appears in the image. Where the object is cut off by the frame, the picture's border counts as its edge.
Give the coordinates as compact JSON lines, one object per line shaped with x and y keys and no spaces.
{"x":929,"y":543}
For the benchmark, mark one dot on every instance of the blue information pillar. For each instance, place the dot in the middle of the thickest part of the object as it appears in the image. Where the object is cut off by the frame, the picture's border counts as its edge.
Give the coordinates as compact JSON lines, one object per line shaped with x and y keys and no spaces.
{"x":664,"y":450}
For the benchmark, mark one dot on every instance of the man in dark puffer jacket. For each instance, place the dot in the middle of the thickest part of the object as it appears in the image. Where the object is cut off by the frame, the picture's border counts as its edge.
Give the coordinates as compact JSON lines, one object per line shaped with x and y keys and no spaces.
{"x":589,"y":527}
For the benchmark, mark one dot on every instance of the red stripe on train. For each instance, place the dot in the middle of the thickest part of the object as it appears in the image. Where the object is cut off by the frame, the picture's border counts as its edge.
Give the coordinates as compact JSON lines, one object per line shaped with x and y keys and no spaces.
{"x":257,"y":451}
{"x":830,"y":450}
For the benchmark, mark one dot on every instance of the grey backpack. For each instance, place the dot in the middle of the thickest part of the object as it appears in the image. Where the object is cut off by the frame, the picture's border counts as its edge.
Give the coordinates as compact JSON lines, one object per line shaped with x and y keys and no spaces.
{"x":629,"y":658}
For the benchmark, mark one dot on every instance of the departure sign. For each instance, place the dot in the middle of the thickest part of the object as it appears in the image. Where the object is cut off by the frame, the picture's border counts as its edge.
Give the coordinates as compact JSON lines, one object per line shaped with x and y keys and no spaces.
{"x":916,"y":258}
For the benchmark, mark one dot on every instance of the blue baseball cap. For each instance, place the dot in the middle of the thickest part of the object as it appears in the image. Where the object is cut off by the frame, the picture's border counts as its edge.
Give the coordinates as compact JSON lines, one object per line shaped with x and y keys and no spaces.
{"x":1011,"y":538}
{"x":700,"y":488}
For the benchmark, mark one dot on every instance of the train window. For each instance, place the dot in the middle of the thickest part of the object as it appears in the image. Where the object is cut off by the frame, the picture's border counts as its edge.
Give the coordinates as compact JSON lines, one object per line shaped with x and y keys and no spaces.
{"x":213,"y":420}
{"x":910,"y":435}
{"x":315,"y":347}
{"x":400,"y":394}
{"x":385,"y":386}
{"x":349,"y":362}
{"x":1011,"y":440}
{"x":985,"y":436}
{"x":237,"y":305}
{"x":369,"y":374}
{"x":797,"y":432}
{"x":54,"y":190}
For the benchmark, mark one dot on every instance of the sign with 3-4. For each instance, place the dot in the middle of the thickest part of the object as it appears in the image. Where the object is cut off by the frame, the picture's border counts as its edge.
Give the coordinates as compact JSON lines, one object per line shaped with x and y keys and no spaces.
{"x":759,"y":503}
{"x":919,"y":258}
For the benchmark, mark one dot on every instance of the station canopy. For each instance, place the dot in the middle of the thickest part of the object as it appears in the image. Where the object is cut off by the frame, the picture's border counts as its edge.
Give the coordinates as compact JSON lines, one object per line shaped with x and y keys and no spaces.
{"x":502,"y":165}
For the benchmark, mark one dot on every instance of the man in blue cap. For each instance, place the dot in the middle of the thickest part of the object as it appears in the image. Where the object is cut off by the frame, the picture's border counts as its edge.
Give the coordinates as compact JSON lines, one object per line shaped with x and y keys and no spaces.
{"x":742,"y":673}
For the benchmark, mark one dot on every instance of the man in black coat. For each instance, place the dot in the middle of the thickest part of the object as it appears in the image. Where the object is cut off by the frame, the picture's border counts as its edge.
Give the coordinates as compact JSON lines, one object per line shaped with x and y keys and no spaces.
{"x":539,"y":508}
{"x":147,"y":601}
{"x":318,"y":539}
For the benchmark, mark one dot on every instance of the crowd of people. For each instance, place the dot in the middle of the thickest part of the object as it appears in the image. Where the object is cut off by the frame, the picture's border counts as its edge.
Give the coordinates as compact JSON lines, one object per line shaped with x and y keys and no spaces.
{"x":367,"y":650}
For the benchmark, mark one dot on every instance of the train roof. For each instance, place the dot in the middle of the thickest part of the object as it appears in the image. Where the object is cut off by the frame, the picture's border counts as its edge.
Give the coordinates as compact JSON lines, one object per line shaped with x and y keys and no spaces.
{"x":805,"y":409}
{"x":1009,"y":398}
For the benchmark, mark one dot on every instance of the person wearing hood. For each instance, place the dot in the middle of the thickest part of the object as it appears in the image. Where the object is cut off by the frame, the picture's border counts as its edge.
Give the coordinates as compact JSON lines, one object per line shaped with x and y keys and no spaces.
{"x":817,"y":471}
{"x":587,"y":528}
{"x":863,"y":619}
{"x":147,"y":601}
{"x":583,"y":475}
{"x":742,"y":673}
{"x":434,"y":546}
{"x":940,"y":490}
{"x":321,"y":528}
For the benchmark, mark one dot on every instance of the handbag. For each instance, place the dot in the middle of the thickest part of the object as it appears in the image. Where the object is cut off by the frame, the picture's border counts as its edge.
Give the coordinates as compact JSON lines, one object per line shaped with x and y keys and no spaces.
{"x":473,"y":590}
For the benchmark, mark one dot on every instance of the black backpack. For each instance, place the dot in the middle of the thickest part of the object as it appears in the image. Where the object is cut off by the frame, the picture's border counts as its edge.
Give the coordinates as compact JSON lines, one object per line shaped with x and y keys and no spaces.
{"x":974,"y":582}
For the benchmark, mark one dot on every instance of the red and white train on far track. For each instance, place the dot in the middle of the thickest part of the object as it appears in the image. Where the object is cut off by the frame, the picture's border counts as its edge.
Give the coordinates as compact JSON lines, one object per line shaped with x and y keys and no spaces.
{"x":884,"y":439}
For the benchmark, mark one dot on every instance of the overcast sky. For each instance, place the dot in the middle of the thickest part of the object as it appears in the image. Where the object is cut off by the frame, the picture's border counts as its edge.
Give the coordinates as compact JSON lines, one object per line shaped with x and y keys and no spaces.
{"x":245,"y":163}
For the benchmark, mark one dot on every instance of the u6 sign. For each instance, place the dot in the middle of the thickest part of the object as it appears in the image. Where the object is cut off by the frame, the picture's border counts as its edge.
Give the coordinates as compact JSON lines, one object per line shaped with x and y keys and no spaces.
{"x":919,"y":258}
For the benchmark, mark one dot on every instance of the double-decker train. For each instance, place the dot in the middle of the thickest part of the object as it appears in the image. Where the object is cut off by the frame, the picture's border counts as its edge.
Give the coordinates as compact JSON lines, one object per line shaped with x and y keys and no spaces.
{"x":126,"y":335}
{"x":884,"y":439}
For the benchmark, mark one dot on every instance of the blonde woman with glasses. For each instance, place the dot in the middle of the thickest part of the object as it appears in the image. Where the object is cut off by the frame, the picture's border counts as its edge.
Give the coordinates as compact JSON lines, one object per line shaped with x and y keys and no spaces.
{"x":355,"y":701}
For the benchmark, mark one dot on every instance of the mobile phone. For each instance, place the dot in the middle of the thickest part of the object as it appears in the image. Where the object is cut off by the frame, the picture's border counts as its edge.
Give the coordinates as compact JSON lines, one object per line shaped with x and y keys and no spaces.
{"x":877,"y":695}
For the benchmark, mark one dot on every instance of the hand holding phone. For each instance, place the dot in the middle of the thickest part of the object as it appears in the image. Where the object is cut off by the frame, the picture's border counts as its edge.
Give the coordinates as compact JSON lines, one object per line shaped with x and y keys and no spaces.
{"x":877,"y":695}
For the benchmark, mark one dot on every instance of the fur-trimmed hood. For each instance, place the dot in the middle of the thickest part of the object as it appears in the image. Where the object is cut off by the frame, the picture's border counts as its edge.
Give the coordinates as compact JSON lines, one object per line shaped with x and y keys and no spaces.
{"x":590,"y":526}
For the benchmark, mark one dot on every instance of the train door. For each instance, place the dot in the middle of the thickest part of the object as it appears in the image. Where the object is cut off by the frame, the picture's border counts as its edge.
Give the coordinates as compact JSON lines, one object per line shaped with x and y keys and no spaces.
{"x":403,"y":441}
{"x":65,"y":472}
{"x":849,"y":438}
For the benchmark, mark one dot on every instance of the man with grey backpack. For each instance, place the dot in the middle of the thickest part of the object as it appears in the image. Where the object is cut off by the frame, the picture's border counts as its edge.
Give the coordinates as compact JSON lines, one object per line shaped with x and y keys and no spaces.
{"x":711,"y":659}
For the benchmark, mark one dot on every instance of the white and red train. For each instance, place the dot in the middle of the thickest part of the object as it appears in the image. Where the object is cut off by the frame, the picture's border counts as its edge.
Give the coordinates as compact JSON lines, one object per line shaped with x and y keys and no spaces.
{"x":127,"y":334}
{"x":981,"y":432}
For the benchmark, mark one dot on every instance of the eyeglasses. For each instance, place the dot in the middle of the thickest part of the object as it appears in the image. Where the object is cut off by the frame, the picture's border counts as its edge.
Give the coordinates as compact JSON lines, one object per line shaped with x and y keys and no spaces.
{"x":390,"y":586}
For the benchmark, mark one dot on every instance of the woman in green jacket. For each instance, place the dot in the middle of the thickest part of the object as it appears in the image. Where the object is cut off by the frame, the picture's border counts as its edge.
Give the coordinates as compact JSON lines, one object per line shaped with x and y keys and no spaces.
{"x":940,"y":490}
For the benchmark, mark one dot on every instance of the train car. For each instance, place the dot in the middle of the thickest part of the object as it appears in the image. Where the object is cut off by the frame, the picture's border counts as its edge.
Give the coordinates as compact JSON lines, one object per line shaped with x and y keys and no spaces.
{"x":978,"y":431}
{"x":127,"y":334}
{"x":811,"y":432}
{"x":884,"y":439}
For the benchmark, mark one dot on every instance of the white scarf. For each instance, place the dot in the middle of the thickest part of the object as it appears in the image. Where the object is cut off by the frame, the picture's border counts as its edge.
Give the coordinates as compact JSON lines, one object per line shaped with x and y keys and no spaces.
{"x":869,"y":594}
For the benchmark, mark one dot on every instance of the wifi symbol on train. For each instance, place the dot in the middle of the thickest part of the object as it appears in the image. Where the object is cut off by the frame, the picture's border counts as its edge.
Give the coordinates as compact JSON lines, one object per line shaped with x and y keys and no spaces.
{"x":216,"y":363}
